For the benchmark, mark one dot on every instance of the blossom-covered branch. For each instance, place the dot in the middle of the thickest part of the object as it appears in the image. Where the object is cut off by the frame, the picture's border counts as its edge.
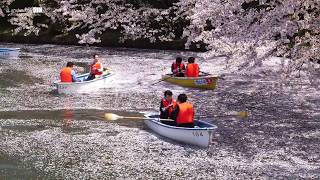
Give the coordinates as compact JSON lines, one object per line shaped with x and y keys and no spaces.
{"x":236,"y":28}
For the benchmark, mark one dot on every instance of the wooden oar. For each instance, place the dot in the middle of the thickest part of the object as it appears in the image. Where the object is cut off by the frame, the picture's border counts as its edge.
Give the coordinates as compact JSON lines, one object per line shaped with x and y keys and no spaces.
{"x":161,"y":80}
{"x":114,"y":117}
{"x":208,"y":74}
{"x":241,"y":114}
{"x":205,"y":73}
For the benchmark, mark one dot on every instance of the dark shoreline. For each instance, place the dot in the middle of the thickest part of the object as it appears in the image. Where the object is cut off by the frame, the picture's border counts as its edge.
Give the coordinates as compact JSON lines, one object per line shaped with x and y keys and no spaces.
{"x":69,"y":40}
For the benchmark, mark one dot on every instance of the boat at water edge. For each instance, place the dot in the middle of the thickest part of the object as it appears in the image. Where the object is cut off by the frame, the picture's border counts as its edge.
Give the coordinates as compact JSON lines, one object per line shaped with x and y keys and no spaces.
{"x":84,"y":86}
{"x":9,"y":52}
{"x":200,"y":135}
{"x":207,"y":82}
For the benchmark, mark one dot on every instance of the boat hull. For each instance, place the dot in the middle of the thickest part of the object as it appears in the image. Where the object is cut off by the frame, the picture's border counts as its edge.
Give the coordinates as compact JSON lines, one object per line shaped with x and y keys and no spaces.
{"x":84,"y":86}
{"x":9,"y":52}
{"x":200,"y":135}
{"x":203,"y":82}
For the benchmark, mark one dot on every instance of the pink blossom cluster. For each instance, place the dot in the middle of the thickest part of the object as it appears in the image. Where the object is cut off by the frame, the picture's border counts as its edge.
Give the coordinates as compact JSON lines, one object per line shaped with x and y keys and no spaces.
{"x":236,"y":28}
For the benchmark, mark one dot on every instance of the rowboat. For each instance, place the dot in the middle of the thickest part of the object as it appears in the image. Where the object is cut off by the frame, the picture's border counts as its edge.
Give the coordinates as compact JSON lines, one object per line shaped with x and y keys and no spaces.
{"x":9,"y":52}
{"x":201,"y":82}
{"x":83,"y":86}
{"x":200,"y":135}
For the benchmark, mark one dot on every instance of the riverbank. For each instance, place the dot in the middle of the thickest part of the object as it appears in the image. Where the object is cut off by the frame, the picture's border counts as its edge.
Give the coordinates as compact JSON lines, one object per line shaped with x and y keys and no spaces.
{"x":108,"y":39}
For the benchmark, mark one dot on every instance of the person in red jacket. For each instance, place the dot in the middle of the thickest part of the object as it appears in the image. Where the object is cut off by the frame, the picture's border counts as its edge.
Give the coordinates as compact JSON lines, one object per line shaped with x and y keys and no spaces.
{"x":96,"y":67}
{"x":67,"y":74}
{"x":192,"y":69}
{"x":178,"y":68}
{"x":184,"y":112}
{"x":167,"y":106}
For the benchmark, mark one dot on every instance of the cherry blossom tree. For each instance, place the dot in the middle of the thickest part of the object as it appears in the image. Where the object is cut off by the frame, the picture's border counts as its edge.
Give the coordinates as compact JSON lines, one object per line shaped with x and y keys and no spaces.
{"x":246,"y":30}
{"x":4,"y":4}
{"x":133,"y":21}
{"x":290,"y":28}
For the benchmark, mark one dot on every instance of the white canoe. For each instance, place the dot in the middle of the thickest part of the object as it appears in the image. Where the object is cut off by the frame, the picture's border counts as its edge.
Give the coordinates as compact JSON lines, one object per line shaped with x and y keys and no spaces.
{"x":84,"y":86}
{"x":9,"y":52}
{"x":200,"y":135}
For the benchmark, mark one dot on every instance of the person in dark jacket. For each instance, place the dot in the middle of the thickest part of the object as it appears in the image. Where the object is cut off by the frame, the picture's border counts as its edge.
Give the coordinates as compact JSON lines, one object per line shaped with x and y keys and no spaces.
{"x":167,"y":106}
{"x":178,"y":68}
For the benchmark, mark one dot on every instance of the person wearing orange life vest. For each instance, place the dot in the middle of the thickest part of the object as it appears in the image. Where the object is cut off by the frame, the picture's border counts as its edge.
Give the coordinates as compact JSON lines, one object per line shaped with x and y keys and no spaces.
{"x":67,"y":74}
{"x":96,"y":67}
{"x":167,"y":106}
{"x":178,"y":68}
{"x":192,"y":69}
{"x":184,"y":112}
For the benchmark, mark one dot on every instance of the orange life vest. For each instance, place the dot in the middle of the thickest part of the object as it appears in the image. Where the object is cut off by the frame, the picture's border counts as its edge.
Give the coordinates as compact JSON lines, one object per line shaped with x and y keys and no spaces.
{"x":186,"y":113}
{"x":165,"y":103}
{"x":176,"y":67}
{"x":95,"y":68}
{"x":65,"y":74}
{"x":192,"y":70}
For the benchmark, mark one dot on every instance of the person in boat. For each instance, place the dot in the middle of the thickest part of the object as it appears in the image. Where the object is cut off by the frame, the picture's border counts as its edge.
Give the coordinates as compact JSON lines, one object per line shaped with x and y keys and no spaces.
{"x":96,"y":68}
{"x":178,"y":68}
{"x":184,"y":112}
{"x":192,"y":69}
{"x":68,"y":74}
{"x":167,"y":106}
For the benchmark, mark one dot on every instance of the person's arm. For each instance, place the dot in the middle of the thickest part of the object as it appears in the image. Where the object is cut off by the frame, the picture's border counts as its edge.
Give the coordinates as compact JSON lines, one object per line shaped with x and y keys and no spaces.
{"x":175,"y":113}
{"x":101,"y":68}
{"x":185,"y":71}
{"x":162,"y":109}
{"x":172,"y":69}
{"x":183,"y":67}
{"x":193,"y":113}
{"x":90,"y":68}
{"x":74,"y":76}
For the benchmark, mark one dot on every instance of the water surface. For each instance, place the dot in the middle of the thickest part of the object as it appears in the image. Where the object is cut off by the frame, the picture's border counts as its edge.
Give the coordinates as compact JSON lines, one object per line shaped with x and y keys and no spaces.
{"x":46,"y":135}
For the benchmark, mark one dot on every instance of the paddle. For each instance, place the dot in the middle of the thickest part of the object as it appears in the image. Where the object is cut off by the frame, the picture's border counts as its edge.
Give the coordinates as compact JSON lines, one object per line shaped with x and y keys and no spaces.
{"x":241,"y":114}
{"x":161,"y":80}
{"x":205,"y":73}
{"x":208,"y":74}
{"x":114,"y":117}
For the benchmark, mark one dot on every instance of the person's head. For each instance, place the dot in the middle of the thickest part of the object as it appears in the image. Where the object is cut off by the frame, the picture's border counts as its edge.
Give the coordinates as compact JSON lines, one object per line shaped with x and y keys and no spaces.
{"x":70,"y":64}
{"x":96,"y":57}
{"x":182,"y":98}
{"x":168,"y":95}
{"x":191,"y":60}
{"x":178,"y":60}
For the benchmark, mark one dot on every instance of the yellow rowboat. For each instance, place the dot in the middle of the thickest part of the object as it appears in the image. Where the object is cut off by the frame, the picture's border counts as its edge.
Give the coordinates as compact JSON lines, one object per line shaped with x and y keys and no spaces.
{"x":201,"y":82}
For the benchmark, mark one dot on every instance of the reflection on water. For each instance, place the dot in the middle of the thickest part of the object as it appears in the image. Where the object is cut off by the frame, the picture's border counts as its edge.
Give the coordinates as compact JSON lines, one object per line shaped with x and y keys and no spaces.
{"x":67,"y":118}
{"x":66,"y":136}
{"x":9,"y":169}
{"x":14,"y":78}
{"x":63,"y":118}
